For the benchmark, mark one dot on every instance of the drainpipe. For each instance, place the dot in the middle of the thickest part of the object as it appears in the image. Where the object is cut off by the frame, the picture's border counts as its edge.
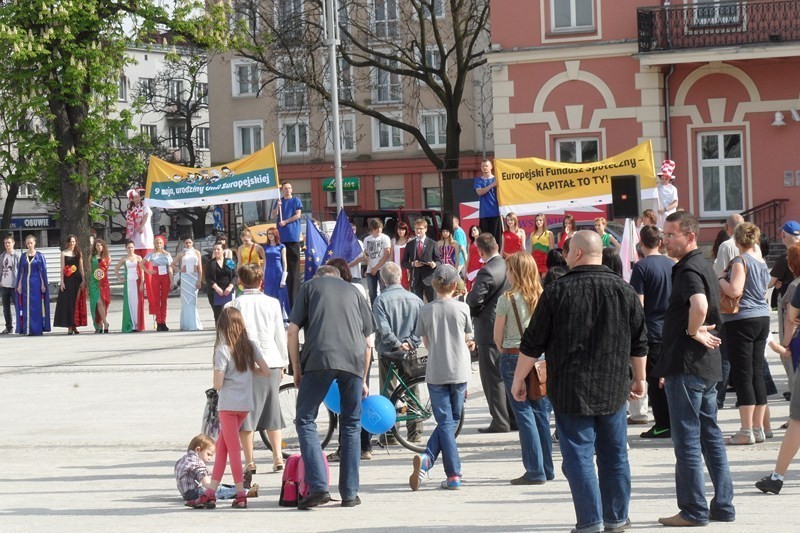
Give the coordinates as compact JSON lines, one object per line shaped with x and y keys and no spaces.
{"x":667,"y":126}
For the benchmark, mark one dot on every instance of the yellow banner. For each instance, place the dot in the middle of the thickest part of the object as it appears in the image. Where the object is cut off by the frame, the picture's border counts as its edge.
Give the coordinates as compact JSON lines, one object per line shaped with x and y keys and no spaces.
{"x":531,"y":185}
{"x":251,"y":178}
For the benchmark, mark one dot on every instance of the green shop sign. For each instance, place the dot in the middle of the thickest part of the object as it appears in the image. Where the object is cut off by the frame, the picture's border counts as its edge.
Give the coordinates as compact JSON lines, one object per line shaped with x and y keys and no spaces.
{"x":348,"y":184}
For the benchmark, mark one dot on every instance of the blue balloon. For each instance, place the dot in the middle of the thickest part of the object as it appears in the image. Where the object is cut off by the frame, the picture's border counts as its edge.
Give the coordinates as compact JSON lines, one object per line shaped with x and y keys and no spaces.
{"x":378,"y":415}
{"x":332,"y":400}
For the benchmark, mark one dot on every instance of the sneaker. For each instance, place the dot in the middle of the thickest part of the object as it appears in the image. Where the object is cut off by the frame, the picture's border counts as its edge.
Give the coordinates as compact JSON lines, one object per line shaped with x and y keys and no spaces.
{"x":313,"y":500}
{"x":421,"y":467}
{"x":768,"y":485}
{"x":452,"y":483}
{"x":758,"y":434}
{"x":657,"y":433}
{"x":366,"y":455}
{"x":334,"y":457}
{"x":619,"y":529}
{"x":204,"y":502}
{"x":351,"y":503}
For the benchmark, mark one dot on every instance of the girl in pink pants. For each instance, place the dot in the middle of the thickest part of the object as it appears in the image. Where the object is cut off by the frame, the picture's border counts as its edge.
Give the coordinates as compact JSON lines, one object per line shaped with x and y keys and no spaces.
{"x":236,"y":358}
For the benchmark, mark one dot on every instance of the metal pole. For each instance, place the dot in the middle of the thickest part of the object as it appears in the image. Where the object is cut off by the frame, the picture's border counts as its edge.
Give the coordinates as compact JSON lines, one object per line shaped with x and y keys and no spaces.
{"x":331,"y":39}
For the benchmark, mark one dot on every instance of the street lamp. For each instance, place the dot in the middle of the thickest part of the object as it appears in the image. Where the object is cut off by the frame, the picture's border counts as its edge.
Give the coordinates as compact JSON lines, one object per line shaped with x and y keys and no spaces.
{"x":330,"y":13}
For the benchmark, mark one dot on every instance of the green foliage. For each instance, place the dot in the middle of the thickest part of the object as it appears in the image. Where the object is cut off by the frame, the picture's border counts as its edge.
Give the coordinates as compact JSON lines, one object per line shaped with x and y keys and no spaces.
{"x":59,"y":79}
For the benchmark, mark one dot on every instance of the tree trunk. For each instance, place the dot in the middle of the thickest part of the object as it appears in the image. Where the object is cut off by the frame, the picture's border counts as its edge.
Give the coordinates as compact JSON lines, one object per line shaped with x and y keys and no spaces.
{"x":72,"y":172}
{"x":8,"y":208}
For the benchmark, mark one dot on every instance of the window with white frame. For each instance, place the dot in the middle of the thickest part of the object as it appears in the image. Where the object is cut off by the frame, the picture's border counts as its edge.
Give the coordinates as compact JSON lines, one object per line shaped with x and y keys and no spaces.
{"x":437,"y":8}
{"x":721,"y":173}
{"x":201,"y":93}
{"x":344,"y":19}
{"x":715,"y":13}
{"x":385,"y":18}
{"x":433,"y":58}
{"x":434,"y":128}
{"x":571,"y":15}
{"x":385,"y":137}
{"x":147,"y":88}
{"x":294,"y":137}
{"x":151,"y":131}
{"x":247,"y":137}
{"x":202,"y":138}
{"x":387,"y":88}
{"x":345,"y":80}
{"x":585,"y":150}
{"x":27,"y":190}
{"x":122,"y":94}
{"x":349,"y":197}
{"x":175,"y":91}
{"x":347,"y":134}
{"x":177,"y":135}
{"x":292,"y":95}
{"x":245,"y":78}
{"x":289,"y":18}
{"x":245,"y":16}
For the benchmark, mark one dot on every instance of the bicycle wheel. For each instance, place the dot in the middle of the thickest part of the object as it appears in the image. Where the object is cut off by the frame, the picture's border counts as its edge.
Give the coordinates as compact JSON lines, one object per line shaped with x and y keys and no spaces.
{"x":415,"y":420}
{"x":326,"y":422}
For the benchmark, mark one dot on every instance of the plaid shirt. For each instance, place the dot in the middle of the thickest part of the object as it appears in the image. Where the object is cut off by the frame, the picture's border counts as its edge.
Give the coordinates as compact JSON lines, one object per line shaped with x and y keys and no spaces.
{"x":189,"y":471}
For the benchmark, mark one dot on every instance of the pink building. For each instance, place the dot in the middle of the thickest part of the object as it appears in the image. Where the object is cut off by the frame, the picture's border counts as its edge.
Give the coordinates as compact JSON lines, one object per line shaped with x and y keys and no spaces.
{"x":714,"y":85}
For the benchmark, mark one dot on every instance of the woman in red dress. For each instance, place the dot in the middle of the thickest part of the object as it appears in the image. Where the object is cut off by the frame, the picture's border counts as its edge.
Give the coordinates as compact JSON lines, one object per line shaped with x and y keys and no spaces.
{"x":513,"y":236}
{"x":473,"y":258}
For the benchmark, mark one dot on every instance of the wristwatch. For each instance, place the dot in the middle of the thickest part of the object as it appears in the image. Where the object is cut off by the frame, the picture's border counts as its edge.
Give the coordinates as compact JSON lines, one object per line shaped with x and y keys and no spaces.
{"x":691,"y":335}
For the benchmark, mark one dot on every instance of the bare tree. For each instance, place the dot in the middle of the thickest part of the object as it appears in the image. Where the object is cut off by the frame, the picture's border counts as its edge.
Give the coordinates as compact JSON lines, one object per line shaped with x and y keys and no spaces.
{"x":397,"y":59}
{"x":179,"y":93}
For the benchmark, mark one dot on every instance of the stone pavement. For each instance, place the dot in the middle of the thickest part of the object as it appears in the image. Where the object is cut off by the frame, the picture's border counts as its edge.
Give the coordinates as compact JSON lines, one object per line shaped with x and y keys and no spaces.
{"x":94,"y":424}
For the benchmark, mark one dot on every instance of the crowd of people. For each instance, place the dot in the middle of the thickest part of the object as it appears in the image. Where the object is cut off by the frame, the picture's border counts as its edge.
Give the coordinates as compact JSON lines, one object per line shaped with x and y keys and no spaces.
{"x":672,"y":339}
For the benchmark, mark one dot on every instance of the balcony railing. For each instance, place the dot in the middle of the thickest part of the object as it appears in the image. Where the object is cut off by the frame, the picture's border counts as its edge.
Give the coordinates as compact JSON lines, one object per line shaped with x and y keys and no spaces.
{"x":768,"y":217}
{"x":718,"y":24}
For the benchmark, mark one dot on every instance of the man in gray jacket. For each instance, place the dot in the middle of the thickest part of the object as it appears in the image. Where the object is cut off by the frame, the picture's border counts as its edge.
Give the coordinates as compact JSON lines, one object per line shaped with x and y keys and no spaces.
{"x":482,"y":300}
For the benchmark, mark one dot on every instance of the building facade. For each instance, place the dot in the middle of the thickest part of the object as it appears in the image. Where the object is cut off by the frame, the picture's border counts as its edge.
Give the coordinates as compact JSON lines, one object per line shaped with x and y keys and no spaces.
{"x":384,"y":167}
{"x":714,"y":85}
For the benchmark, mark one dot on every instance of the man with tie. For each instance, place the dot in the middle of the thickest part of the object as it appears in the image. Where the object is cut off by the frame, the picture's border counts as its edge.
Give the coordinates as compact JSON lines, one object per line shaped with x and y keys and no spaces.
{"x":420,"y":258}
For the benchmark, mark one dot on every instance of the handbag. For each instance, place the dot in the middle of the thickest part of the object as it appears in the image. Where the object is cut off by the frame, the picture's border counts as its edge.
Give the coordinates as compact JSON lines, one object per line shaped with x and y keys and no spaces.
{"x":537,"y":379}
{"x":728,"y":305}
{"x":210,"y":425}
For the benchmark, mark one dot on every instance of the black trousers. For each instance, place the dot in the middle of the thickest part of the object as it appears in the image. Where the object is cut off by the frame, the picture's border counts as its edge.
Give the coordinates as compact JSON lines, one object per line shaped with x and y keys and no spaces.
{"x":293,"y":270}
{"x":747,"y":340}
{"x":9,"y":298}
{"x":657,"y":396}
{"x":494,"y":226}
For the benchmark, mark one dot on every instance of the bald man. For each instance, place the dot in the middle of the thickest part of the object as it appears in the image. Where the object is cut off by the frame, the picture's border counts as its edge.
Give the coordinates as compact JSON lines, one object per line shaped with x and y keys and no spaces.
{"x":590,"y":324}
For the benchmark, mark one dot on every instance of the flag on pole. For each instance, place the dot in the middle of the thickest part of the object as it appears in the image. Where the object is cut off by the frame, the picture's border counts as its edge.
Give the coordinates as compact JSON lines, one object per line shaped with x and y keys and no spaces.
{"x":344,"y":242}
{"x":315,"y":249}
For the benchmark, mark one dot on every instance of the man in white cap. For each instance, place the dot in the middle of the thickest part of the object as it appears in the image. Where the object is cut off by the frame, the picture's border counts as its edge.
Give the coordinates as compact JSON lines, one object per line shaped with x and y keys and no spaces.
{"x":667,"y":193}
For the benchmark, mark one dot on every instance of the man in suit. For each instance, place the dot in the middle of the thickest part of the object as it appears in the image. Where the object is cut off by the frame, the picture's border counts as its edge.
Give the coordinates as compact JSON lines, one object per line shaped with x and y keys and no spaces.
{"x":420,"y":258}
{"x":482,"y":300}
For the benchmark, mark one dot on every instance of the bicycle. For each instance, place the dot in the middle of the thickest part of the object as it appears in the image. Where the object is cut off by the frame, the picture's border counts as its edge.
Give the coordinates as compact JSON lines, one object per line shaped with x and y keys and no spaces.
{"x":290,"y":444}
{"x":410,"y":398}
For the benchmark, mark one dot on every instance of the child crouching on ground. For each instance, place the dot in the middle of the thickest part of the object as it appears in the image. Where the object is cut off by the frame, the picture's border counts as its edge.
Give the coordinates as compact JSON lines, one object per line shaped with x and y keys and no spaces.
{"x":445,"y":327}
{"x":192,"y":477}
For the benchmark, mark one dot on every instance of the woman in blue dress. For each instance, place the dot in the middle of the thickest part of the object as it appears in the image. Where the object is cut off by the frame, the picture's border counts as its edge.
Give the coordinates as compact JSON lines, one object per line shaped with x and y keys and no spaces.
{"x":32,"y":291}
{"x":275,"y":270}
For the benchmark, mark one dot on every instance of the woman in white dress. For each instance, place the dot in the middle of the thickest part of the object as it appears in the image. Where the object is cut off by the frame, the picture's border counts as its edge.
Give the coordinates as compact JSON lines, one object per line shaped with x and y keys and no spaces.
{"x":191,"y":268}
{"x":133,"y":293}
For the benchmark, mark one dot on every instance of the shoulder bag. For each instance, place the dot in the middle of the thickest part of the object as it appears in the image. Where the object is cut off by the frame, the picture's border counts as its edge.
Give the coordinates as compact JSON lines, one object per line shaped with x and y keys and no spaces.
{"x":537,"y":379}
{"x":729,"y":305}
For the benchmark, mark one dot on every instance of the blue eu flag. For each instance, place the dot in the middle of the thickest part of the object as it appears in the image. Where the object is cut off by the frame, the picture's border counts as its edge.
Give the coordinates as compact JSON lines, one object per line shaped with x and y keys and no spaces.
{"x":344,"y":242}
{"x":315,"y":249}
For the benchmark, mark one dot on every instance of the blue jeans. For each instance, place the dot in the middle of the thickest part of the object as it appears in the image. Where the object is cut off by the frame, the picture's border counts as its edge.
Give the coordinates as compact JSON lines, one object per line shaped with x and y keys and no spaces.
{"x":604,"y":502}
{"x":696,"y":436}
{"x":533,"y":421}
{"x":447,"y":404}
{"x":224,"y":492}
{"x":313,"y":388}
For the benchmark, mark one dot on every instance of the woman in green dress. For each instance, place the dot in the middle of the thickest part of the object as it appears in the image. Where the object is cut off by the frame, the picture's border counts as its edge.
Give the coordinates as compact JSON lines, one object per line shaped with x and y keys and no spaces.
{"x":99,"y":291}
